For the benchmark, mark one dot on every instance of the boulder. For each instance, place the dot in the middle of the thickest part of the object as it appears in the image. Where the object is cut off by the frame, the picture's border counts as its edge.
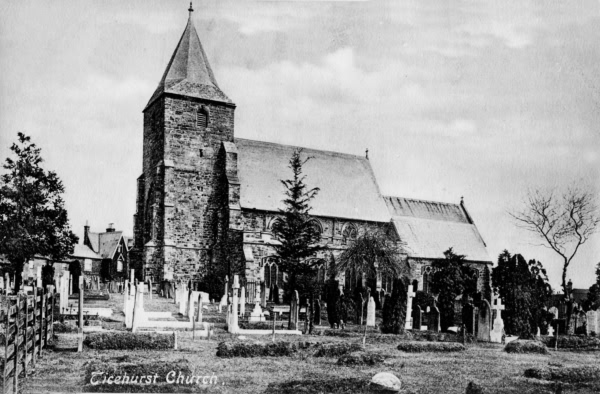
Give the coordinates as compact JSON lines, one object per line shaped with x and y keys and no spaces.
{"x":385,"y":382}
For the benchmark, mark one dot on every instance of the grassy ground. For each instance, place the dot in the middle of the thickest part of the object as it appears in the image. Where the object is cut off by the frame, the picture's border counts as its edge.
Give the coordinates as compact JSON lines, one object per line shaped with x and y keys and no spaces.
{"x":485,"y":364}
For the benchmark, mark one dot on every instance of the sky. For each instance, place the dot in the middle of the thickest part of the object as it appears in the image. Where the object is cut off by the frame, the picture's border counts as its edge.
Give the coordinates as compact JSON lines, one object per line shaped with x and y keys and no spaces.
{"x":481,"y":100}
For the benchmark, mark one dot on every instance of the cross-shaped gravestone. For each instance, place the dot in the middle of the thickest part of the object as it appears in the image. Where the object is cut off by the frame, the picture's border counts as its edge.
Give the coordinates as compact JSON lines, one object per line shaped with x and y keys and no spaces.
{"x":498,"y":324}
{"x":498,"y":306}
{"x":409,"y":296}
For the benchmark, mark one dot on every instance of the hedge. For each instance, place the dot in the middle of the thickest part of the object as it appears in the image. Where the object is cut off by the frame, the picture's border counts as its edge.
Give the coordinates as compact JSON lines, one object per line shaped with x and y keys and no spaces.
{"x":523,"y":346}
{"x":324,"y":385}
{"x":360,"y":359}
{"x":578,"y":374}
{"x":128,"y":341}
{"x":573,"y":342}
{"x":418,"y":347}
{"x":336,"y":349}
{"x":242,"y":349}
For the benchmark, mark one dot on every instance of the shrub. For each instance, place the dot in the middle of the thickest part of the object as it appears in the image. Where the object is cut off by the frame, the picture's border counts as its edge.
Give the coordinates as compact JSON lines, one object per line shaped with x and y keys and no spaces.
{"x":336,"y":349}
{"x":579,"y":374}
{"x":572,"y":342}
{"x":60,"y":327}
{"x":360,"y":358}
{"x":128,"y":341}
{"x":418,"y":347}
{"x":241,"y":349}
{"x":521,"y":346}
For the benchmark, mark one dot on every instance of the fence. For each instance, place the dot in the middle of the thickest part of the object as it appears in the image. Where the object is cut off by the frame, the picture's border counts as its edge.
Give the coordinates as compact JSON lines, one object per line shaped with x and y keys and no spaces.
{"x":27,"y":321}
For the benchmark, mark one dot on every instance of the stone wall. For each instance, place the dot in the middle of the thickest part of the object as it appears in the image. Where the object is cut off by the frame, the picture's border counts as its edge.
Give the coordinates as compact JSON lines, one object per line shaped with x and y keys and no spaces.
{"x":175,"y":219}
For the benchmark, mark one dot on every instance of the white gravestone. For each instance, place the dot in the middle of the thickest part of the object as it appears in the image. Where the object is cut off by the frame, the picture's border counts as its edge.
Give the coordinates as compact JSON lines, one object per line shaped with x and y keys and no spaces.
{"x":498,"y":324}
{"x":371,"y":312}
{"x":550,"y":331}
{"x":233,"y":327}
{"x":409,"y":296}
{"x":183,"y":299}
{"x":257,"y":314}
{"x":593,"y":322}
{"x":243,"y":301}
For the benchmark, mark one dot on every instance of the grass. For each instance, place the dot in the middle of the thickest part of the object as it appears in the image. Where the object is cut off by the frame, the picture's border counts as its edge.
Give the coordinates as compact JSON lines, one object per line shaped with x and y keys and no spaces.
{"x":488,"y":365}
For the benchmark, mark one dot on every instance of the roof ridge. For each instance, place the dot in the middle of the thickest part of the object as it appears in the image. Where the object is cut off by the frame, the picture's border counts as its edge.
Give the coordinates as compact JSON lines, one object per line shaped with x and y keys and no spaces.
{"x":304,"y":148}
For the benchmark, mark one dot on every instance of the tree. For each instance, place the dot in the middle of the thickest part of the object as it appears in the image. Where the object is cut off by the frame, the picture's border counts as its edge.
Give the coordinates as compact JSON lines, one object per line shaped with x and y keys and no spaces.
{"x":371,"y":253}
{"x":525,"y":291}
{"x":563,"y":222}
{"x":451,"y":278}
{"x":298,"y":238}
{"x":394,"y":307}
{"x":33,"y":220}
{"x":593,"y":298}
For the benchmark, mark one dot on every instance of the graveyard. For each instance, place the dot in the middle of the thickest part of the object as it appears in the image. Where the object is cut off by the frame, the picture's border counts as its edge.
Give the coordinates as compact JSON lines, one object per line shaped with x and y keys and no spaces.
{"x":237,"y":346}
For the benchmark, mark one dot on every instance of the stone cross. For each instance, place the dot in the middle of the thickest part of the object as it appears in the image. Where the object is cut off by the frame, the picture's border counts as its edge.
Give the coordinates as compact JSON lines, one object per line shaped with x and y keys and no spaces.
{"x":409,"y":296}
{"x":243,"y":301}
{"x":550,"y":330}
{"x":371,"y":312}
{"x":294,"y":309}
{"x":498,"y":325}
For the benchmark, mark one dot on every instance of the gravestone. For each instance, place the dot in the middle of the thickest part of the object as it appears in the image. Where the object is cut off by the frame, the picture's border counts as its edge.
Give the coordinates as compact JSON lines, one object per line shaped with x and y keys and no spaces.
{"x":554,"y":311}
{"x":484,"y":321}
{"x":371,"y":312}
{"x":257,"y":314}
{"x":138,"y":309}
{"x":498,"y":324}
{"x":433,"y":318}
{"x":38,"y":276}
{"x":469,"y":316}
{"x":550,"y":330}
{"x":360,"y":305}
{"x":409,"y":297}
{"x":243,"y":301}
{"x":234,"y":328}
{"x":294,"y":309}
{"x":382,"y":297}
{"x":183,"y":299}
{"x":263,"y":294}
{"x":317,"y":314}
{"x":593,"y":322}
{"x":193,"y":298}
{"x":417,"y":317}
{"x":580,"y":322}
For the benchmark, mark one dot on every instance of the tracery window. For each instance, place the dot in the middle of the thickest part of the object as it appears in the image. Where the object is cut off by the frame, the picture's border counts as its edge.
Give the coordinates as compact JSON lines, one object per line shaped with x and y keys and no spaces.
{"x":350,"y":233}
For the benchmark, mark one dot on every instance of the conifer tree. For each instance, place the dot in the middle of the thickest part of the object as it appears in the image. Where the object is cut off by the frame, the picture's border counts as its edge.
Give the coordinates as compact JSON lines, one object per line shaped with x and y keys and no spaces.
{"x":394,"y":308}
{"x":298,"y":237}
{"x":452,"y":277}
{"x":33,"y":219}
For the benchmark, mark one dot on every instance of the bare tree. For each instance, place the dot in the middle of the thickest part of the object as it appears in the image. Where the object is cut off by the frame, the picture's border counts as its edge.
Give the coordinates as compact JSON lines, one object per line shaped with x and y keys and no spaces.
{"x":563,"y":221}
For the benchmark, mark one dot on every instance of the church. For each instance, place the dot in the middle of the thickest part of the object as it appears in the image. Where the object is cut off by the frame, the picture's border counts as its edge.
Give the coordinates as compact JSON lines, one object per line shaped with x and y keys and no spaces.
{"x":206,"y":200}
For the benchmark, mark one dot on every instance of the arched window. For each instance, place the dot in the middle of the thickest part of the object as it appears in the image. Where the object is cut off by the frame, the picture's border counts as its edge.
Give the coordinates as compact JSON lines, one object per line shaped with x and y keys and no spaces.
{"x":270,"y":270}
{"x":120,"y":265}
{"x":202,"y":117}
{"x":349,"y":233}
{"x":316,"y":226}
{"x":427,"y":272}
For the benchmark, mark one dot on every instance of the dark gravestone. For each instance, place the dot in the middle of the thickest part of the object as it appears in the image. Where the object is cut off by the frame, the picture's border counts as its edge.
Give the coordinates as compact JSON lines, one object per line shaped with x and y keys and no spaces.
{"x":484,"y":322}
{"x":317,"y":315}
{"x":469,"y":317}
{"x":433,"y":318}
{"x":417,"y":315}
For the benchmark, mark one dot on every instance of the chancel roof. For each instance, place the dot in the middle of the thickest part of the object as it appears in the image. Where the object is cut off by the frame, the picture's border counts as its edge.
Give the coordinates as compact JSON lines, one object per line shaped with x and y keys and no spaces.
{"x":347,"y":185}
{"x":429,"y":228}
{"x":188,"y":72}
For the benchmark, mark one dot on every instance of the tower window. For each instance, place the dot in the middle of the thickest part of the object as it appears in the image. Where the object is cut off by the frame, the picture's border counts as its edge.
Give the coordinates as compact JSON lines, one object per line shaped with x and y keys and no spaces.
{"x":202,"y":118}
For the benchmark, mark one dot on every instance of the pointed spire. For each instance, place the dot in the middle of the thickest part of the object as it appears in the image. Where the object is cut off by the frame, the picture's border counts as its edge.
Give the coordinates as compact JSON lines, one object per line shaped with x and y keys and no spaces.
{"x":188,"y":72}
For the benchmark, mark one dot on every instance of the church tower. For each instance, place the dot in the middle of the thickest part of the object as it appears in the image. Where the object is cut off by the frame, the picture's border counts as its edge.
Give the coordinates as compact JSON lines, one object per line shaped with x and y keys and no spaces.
{"x":186,"y":121}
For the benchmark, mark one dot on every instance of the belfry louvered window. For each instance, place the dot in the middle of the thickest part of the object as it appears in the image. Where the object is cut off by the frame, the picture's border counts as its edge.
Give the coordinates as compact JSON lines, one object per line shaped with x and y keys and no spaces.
{"x":202,"y":118}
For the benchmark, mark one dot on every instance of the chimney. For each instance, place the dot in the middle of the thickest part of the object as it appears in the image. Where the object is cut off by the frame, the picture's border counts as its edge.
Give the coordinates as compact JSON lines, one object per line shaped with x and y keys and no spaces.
{"x":86,"y":229}
{"x":111,"y":228}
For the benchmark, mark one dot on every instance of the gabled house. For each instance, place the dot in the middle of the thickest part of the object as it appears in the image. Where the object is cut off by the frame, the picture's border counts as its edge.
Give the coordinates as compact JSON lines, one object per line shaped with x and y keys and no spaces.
{"x":104,"y":255}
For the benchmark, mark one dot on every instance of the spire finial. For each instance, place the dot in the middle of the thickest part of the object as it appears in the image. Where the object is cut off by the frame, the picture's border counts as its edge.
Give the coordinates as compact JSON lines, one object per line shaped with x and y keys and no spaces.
{"x":191,"y":9}
{"x":367,"y":153}
{"x":462,"y":199}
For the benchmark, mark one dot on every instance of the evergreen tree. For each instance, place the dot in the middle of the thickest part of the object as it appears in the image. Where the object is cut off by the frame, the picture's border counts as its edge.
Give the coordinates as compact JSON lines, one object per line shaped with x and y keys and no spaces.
{"x":33,"y":220}
{"x":451,"y":278}
{"x":394,"y":307}
{"x":524,"y":289}
{"x":298,"y":237}
{"x":593,"y":297}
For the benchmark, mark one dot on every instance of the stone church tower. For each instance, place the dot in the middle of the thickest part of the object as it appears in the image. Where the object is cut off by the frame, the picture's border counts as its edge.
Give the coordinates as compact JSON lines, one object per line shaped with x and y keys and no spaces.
{"x":186,"y":121}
